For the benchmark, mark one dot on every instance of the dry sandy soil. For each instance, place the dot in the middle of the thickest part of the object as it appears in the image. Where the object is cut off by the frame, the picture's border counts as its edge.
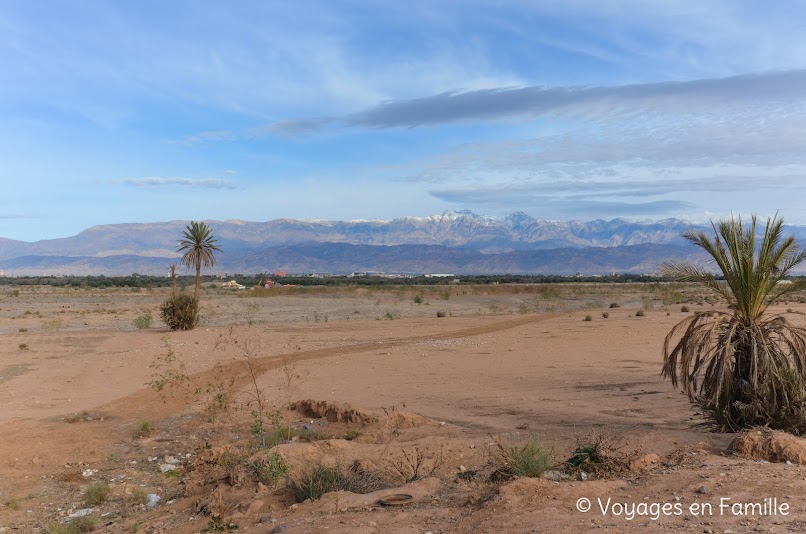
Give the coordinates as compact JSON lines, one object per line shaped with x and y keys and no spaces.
{"x":505,"y":365}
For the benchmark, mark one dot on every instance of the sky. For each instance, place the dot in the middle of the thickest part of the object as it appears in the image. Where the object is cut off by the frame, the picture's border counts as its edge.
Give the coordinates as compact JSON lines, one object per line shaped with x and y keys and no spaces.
{"x":114,"y":111}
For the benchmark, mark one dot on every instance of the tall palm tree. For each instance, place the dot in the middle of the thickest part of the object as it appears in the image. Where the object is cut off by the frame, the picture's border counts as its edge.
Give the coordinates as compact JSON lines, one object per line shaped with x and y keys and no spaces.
{"x":199,"y":247}
{"x":747,"y":366}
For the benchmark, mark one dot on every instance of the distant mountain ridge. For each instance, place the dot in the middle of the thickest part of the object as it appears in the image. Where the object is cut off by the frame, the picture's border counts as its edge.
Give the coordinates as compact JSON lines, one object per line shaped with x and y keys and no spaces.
{"x":448,"y":242}
{"x":517,"y":231}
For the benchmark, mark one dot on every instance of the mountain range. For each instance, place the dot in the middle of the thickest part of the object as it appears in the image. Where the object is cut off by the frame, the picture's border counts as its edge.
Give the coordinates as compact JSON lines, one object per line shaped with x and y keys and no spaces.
{"x":450,"y":242}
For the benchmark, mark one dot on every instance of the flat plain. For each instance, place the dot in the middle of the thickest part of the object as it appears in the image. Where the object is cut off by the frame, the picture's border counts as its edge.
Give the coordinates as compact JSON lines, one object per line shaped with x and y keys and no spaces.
{"x":414,"y":390}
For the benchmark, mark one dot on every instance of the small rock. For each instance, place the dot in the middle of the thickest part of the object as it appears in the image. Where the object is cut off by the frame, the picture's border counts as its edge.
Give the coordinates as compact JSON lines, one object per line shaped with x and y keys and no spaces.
{"x":170,"y":460}
{"x":167,"y":467}
{"x":82,"y":513}
{"x":703,"y":490}
{"x":553,"y":474}
{"x":153,"y":500}
{"x":278,"y":529}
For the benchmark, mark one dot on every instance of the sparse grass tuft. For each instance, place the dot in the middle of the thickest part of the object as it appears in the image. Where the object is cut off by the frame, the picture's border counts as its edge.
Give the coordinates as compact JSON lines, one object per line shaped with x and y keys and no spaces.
{"x":588,"y":318}
{"x":528,"y":460}
{"x":441,"y":313}
{"x":137,"y":496}
{"x":96,"y":493}
{"x":640,"y":313}
{"x":145,"y":321}
{"x":615,"y":305}
{"x":684,"y":309}
{"x":144,"y":430}
{"x":23,"y":346}
{"x":605,"y":315}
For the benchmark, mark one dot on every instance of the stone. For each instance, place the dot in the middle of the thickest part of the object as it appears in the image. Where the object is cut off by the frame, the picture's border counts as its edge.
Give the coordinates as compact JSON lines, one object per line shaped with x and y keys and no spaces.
{"x":82,"y":513}
{"x":153,"y":500}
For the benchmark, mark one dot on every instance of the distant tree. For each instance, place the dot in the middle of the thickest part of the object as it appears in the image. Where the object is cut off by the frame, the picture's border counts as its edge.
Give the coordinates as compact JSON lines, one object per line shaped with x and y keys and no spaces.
{"x":199,"y":246}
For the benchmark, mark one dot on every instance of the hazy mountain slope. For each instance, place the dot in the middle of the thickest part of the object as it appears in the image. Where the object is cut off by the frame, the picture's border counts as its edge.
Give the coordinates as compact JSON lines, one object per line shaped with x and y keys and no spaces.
{"x":343,"y":258}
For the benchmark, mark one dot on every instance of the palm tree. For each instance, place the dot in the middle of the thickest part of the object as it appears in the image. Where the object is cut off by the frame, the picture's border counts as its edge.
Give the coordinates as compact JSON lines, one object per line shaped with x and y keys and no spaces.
{"x":744,"y":367}
{"x":199,"y":247}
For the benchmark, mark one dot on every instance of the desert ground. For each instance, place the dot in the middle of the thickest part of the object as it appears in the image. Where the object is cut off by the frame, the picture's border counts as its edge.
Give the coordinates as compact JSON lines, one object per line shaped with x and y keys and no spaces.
{"x":100,"y":418}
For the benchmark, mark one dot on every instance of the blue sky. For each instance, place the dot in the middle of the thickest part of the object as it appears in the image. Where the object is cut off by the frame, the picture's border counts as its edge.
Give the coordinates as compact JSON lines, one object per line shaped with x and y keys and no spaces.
{"x":115,"y":111}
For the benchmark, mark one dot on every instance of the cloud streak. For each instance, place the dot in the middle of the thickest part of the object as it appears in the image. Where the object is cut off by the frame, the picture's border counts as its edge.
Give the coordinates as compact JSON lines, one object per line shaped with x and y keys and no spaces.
{"x":196,"y":183}
{"x":703,"y":95}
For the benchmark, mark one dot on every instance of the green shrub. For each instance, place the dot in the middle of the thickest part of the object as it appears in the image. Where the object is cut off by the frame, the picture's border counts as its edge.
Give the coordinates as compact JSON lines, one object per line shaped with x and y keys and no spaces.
{"x":317,"y":481}
{"x":527,"y":460}
{"x":685,"y":309}
{"x":350,"y":435}
{"x":615,"y":305}
{"x":441,"y":313}
{"x":145,"y":429}
{"x":270,"y":470}
{"x":180,"y":312}
{"x":605,"y":315}
{"x":144,"y":321}
{"x":588,"y":318}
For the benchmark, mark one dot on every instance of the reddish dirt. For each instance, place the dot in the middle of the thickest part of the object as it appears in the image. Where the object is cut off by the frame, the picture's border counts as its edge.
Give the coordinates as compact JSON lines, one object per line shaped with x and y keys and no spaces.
{"x":451,"y":388}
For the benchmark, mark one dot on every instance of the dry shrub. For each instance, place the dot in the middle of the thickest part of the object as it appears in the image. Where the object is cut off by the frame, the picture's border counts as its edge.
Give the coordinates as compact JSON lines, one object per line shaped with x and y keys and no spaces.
{"x":180,"y":312}
{"x":599,"y":456}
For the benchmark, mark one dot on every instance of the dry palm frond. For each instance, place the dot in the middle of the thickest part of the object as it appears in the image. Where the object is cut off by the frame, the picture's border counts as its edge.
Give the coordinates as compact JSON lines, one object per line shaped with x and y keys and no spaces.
{"x":744,"y":368}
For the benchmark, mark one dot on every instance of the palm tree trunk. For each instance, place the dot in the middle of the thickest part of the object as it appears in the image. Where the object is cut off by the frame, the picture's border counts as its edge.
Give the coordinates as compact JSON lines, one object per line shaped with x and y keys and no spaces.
{"x":198,"y":282}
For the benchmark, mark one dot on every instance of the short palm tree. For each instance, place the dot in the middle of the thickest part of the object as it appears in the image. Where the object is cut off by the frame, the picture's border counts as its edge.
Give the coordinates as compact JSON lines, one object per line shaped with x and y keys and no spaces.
{"x":199,"y":247}
{"x":744,"y":367}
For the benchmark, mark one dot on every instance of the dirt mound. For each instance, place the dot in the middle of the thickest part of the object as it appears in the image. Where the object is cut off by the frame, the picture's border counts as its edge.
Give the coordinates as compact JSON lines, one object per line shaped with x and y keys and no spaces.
{"x":333,"y":411}
{"x":771,"y":446}
{"x":345,"y":500}
{"x":398,"y":420}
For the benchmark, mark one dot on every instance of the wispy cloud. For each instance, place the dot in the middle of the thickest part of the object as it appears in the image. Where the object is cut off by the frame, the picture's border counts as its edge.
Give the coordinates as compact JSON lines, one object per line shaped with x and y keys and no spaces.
{"x":203,"y":137}
{"x":734,"y":94}
{"x":199,"y":183}
{"x":18,"y":216}
{"x":591,"y":102}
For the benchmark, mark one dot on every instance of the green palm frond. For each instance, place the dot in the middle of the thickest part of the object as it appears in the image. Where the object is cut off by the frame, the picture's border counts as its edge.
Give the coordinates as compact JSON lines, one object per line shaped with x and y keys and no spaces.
{"x":199,"y":247}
